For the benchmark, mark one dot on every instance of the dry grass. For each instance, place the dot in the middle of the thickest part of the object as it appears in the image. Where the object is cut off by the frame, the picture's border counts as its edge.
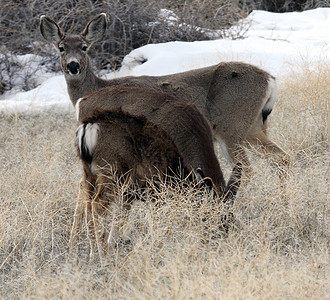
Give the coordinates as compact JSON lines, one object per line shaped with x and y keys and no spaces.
{"x":277,"y":247}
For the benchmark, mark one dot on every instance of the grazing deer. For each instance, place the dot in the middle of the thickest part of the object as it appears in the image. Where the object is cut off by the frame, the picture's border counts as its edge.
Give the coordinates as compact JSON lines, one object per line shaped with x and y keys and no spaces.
{"x":236,"y":98}
{"x":140,"y":133}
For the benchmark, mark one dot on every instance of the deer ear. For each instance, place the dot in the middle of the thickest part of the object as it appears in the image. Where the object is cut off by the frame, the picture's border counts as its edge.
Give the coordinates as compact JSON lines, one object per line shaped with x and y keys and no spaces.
{"x":50,"y":30}
{"x":95,"y":29}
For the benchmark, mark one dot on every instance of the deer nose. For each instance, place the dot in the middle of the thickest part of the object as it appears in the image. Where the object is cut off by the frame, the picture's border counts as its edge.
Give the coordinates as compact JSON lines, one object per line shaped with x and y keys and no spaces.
{"x":73,"y":67}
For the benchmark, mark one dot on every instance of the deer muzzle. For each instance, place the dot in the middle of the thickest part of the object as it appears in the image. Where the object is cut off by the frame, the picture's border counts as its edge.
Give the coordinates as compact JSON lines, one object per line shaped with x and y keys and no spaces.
{"x":73,"y":68}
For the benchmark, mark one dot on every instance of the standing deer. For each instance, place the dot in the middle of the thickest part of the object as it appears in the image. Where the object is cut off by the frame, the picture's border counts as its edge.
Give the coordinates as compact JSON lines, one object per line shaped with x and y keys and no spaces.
{"x":236,"y":98}
{"x":140,"y":133}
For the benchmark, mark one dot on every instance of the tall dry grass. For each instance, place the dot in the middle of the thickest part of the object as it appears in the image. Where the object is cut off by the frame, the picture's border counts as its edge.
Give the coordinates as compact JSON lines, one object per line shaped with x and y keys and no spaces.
{"x":277,"y":247}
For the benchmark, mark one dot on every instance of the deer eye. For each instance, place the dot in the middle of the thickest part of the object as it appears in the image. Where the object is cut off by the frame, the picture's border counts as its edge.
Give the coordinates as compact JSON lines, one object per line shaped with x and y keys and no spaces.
{"x":84,"y":48}
{"x":61,"y":49}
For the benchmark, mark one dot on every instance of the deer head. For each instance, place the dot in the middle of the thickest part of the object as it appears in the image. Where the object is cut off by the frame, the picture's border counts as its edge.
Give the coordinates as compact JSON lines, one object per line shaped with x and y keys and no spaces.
{"x":73,"y":48}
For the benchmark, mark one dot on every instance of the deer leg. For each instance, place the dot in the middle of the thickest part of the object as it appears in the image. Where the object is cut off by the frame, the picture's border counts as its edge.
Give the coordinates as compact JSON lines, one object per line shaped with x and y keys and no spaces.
{"x":270,"y":147}
{"x":118,"y":208}
{"x":97,"y":211}
{"x":108,"y":218}
{"x":88,"y":196}
{"x":90,"y":228}
{"x":117,"y":235}
{"x":282,"y":158}
{"x":103,"y":210}
{"x":233,"y":185}
{"x":237,"y":155}
{"x":83,"y":198}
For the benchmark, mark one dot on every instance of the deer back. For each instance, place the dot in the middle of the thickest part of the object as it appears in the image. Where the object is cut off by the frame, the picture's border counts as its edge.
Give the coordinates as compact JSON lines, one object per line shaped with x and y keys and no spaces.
{"x":230,"y":95}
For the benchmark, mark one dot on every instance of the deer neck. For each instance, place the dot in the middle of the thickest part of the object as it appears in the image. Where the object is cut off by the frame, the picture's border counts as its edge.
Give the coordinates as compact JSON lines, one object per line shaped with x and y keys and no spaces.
{"x":88,"y":82}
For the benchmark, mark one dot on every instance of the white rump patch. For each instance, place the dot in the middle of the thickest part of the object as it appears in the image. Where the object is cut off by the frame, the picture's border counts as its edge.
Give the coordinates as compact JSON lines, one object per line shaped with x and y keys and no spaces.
{"x":87,"y":138}
{"x":91,"y":133}
{"x":271,"y":94}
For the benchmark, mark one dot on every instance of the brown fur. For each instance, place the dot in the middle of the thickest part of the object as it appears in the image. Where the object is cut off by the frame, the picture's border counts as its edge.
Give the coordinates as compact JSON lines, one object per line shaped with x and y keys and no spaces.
{"x":134,"y":146}
{"x":182,"y":122}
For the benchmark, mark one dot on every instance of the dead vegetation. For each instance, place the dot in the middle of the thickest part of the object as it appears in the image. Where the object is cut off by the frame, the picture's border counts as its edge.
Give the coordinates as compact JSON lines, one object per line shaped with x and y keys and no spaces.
{"x":277,"y":247}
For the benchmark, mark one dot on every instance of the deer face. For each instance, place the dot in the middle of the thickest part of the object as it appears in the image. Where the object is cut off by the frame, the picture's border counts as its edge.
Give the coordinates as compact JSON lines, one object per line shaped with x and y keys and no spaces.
{"x":73,"y":48}
{"x":73,"y":53}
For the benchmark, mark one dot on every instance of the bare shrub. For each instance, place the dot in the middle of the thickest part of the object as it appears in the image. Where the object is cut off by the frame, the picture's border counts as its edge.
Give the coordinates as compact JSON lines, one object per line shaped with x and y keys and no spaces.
{"x":207,"y":15}
{"x":21,"y":71}
{"x":283,"y":5}
{"x":211,"y":14}
{"x":310,"y":101}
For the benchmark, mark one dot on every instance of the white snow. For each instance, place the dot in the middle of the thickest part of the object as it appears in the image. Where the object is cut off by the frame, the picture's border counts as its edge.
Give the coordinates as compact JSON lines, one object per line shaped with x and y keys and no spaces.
{"x":275,"y":41}
{"x":50,"y":94}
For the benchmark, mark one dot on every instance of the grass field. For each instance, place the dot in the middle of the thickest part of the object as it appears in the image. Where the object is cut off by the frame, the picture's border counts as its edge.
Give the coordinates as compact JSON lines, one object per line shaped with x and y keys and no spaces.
{"x":277,"y":247}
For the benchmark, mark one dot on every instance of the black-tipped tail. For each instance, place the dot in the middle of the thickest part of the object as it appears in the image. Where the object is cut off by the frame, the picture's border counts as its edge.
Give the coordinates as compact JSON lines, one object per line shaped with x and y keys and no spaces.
{"x":265,"y":113}
{"x":87,"y":134}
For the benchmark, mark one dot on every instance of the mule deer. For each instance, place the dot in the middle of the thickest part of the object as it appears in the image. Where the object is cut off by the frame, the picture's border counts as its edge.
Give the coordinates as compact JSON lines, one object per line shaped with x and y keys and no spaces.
{"x":141,"y":133}
{"x":236,"y":98}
